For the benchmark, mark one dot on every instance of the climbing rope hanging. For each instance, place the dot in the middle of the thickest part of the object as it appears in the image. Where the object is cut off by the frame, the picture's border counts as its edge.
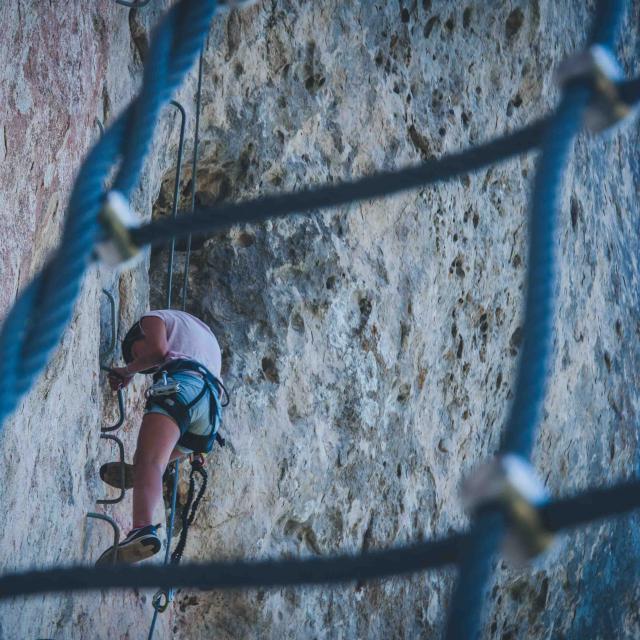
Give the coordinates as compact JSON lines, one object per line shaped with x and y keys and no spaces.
{"x":191,"y":505}
{"x":164,"y":597}
{"x":36,"y":321}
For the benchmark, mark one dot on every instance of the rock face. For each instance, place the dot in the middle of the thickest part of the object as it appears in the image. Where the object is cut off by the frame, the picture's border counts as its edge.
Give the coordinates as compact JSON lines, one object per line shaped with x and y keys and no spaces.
{"x":63,"y":66}
{"x":371,"y":350}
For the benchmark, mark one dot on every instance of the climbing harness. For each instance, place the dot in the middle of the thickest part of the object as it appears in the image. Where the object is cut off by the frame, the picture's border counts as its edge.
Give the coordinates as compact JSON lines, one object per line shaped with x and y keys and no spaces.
{"x":166,"y":394}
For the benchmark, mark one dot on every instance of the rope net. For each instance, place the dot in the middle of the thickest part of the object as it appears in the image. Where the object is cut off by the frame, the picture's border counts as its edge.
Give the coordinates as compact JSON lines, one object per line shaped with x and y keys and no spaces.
{"x":34,"y":325}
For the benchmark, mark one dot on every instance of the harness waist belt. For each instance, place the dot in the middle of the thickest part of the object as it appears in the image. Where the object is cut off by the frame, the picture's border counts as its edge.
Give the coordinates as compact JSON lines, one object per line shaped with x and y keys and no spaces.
{"x":179,"y":410}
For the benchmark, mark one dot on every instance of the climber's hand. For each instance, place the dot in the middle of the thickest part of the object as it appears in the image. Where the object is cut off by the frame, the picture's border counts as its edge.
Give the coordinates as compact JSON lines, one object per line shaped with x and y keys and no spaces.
{"x":119,"y":378}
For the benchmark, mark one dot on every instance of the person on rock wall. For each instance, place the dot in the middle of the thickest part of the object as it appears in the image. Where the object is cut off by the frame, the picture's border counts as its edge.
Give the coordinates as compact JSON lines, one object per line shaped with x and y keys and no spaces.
{"x":181,"y":417}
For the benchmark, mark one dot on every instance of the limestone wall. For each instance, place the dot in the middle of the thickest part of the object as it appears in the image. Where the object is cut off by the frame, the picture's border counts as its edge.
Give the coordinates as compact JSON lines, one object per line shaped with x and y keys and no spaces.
{"x":63,"y":65}
{"x":371,"y":350}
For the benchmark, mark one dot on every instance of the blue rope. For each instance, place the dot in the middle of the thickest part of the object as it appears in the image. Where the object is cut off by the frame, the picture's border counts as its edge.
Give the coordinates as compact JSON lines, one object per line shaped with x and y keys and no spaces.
{"x":476,"y":561}
{"x":538,"y":325}
{"x":487,"y":532}
{"x":606,"y":22}
{"x":34,"y":326}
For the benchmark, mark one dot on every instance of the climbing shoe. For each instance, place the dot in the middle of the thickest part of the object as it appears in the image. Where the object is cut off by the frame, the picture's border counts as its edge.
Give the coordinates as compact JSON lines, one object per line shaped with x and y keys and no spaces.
{"x":110,"y":473}
{"x":140,"y":544}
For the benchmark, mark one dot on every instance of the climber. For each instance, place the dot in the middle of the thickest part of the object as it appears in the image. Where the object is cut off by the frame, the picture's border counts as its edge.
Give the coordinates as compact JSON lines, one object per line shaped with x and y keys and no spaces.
{"x":181,"y":416}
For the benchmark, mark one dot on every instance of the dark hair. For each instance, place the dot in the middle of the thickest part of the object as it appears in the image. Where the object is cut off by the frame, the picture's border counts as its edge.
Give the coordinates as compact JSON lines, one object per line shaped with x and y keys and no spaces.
{"x":135,"y":333}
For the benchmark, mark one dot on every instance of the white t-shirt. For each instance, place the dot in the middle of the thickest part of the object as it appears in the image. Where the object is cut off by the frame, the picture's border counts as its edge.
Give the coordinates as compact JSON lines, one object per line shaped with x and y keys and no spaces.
{"x":189,"y":337}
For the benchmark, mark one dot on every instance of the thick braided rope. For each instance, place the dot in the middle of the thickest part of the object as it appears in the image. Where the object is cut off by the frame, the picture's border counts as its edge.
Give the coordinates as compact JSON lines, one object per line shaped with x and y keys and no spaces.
{"x":35,"y":324}
{"x":487,"y":531}
{"x":533,"y":364}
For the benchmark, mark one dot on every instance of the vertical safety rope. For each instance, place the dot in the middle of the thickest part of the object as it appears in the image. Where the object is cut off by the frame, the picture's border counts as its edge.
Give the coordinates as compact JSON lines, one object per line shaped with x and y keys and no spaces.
{"x":176,"y":190}
{"x":186,"y":520}
{"x":194,"y":178}
{"x":175,"y":478}
{"x":190,"y":508}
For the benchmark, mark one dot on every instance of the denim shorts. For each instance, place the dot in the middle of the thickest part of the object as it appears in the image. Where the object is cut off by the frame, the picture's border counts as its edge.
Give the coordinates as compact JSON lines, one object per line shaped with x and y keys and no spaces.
{"x":199,"y":415}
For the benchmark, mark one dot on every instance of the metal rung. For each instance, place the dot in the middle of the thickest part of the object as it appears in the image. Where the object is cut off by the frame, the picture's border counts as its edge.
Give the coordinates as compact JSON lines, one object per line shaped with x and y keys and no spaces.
{"x":116,"y":531}
{"x":117,"y":440}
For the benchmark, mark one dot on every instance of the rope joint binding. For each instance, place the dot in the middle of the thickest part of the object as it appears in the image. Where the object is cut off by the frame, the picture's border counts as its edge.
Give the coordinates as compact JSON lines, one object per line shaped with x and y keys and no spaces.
{"x":117,"y":219}
{"x":598,"y":67}
{"x":509,"y":484}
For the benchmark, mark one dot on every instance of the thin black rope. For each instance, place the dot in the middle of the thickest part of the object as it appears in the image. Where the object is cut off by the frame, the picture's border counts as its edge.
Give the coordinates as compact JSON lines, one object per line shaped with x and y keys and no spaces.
{"x":595,"y":504}
{"x":207,"y":219}
{"x":629,"y":91}
{"x":194,"y":174}
{"x":235,"y":575}
{"x":185,"y":285}
{"x":190,"y":509}
{"x":175,"y":479}
{"x":558,"y":515}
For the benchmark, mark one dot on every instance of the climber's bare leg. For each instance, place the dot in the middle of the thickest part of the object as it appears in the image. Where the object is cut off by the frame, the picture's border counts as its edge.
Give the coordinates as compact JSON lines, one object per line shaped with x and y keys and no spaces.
{"x":157,"y":439}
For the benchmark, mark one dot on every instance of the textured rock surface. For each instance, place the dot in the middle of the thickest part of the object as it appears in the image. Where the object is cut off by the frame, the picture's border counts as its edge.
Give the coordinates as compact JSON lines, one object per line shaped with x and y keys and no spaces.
{"x":63,"y":65}
{"x":371,"y":350}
